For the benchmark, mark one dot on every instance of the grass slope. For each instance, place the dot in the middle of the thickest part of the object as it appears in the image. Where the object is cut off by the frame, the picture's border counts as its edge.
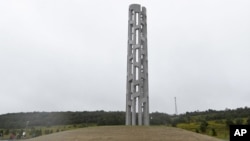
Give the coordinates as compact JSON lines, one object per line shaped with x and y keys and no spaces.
{"x":220,"y":128}
{"x":126,"y":133}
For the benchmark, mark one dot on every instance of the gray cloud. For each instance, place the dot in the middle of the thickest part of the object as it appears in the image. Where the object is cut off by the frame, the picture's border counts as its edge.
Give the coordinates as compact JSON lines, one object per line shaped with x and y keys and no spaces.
{"x":71,"y":55}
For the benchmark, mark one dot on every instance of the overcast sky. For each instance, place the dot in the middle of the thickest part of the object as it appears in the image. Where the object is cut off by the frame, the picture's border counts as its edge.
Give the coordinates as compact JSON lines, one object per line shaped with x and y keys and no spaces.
{"x":70,"y":55}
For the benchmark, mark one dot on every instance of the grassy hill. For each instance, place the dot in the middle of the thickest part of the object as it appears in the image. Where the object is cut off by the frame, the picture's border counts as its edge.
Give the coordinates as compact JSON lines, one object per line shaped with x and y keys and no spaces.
{"x":211,"y":122}
{"x":218,"y":130}
{"x":125,"y":133}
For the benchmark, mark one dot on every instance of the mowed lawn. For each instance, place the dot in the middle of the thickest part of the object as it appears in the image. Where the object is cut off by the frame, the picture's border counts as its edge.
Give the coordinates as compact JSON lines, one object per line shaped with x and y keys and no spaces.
{"x":126,"y":133}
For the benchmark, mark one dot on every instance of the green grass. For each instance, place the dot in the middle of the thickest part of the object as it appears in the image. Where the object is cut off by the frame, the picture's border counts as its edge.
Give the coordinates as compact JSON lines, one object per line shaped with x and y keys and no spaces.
{"x":221,"y":130}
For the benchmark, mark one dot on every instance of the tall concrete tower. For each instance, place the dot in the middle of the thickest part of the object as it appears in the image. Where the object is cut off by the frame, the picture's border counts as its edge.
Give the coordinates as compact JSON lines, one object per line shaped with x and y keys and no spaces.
{"x":137,"y":103}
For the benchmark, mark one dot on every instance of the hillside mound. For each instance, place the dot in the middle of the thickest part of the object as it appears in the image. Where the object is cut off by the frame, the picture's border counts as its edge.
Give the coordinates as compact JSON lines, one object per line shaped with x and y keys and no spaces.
{"x":126,"y":133}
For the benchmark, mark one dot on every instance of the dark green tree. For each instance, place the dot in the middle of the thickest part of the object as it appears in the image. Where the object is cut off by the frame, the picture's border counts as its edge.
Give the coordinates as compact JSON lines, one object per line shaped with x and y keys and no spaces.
{"x":213,"y":132}
{"x":229,"y":122}
{"x":248,"y":121}
{"x":203,"y":126}
{"x":239,"y":121}
{"x":197,"y":130}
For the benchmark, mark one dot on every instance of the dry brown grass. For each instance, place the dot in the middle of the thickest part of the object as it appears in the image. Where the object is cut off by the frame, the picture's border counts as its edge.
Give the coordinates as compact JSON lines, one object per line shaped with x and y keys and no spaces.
{"x":126,"y":133}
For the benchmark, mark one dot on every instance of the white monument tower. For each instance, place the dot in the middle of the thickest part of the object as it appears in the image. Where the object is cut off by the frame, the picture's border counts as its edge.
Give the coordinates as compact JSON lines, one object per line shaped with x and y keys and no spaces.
{"x":137,"y":101}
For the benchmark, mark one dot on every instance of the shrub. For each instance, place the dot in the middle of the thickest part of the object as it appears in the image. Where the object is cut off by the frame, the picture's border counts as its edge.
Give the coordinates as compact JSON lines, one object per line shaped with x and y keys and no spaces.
{"x":213,"y":132}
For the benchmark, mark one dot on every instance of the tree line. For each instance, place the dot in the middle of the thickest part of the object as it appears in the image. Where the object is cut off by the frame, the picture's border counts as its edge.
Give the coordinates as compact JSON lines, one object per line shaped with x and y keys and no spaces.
{"x":31,"y":119}
{"x":21,"y":120}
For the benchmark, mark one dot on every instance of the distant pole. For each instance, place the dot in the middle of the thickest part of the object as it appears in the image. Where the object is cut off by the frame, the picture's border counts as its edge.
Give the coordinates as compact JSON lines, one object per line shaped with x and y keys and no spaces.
{"x":175,"y":106}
